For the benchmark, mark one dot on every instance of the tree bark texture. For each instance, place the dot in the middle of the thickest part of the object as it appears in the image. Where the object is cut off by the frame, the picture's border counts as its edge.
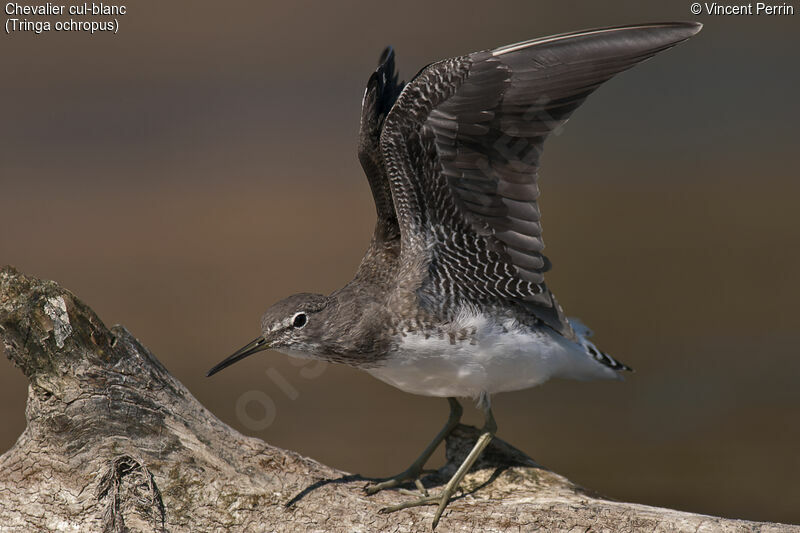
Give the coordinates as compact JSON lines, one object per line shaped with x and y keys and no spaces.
{"x":115,"y":443}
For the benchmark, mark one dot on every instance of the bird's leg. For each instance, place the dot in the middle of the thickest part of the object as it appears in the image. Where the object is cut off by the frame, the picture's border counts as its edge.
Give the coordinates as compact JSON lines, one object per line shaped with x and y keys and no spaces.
{"x":412,"y":472}
{"x":489,"y":428}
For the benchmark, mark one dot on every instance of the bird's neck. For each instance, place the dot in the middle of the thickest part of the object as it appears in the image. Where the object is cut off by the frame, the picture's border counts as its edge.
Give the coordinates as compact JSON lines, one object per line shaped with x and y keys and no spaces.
{"x":356,"y":321}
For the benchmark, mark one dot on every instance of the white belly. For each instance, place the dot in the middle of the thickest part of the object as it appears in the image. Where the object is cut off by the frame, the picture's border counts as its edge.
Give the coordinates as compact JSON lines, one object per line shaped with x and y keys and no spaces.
{"x":501,"y":357}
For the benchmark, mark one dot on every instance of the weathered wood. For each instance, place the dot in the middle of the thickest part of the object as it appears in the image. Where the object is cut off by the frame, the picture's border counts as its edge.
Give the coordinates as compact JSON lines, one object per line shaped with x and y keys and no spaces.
{"x":115,"y":443}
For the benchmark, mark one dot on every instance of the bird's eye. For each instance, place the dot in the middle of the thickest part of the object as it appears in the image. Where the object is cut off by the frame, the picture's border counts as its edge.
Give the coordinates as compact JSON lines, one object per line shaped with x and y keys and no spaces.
{"x":299,"y":320}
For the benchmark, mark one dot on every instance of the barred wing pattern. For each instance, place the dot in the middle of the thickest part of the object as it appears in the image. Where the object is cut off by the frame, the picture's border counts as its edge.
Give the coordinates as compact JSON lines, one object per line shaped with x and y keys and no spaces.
{"x":462,"y":147}
{"x":379,"y":97}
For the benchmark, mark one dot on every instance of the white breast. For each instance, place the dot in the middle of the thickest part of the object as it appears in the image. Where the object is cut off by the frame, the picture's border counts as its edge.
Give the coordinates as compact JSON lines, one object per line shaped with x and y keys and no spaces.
{"x":502,"y":355}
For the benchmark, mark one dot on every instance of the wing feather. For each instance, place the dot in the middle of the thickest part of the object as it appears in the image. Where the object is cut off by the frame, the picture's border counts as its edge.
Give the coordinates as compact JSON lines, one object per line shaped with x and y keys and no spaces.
{"x":462,"y":148}
{"x":379,"y":97}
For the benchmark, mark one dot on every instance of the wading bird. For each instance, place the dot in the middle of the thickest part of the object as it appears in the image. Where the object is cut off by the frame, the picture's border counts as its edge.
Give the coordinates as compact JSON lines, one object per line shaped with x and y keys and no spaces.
{"x":450,"y":298}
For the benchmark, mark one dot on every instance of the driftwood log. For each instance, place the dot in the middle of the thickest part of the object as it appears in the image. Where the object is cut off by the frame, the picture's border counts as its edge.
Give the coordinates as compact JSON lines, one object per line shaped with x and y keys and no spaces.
{"x":115,"y":443}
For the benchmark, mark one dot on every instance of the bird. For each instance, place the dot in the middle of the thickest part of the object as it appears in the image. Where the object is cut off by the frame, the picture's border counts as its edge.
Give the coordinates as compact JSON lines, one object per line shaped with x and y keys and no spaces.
{"x":450,"y":299}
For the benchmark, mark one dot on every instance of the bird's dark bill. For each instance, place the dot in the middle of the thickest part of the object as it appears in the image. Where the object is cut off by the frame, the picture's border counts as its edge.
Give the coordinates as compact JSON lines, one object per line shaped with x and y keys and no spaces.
{"x":257,"y":345}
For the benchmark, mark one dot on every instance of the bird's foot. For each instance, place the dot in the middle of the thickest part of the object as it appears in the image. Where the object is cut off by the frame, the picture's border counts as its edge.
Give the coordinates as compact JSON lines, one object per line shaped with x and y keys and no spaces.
{"x":447,"y":493}
{"x":433,"y":499}
{"x":410,"y":474}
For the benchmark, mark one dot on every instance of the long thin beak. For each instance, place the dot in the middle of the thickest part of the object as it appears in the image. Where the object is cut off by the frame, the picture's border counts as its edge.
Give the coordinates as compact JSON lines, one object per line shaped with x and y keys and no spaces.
{"x":258,"y":345}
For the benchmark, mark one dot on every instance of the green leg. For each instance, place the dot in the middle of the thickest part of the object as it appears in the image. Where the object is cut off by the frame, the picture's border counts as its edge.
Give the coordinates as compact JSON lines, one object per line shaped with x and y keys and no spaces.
{"x":412,"y":472}
{"x":489,"y":428}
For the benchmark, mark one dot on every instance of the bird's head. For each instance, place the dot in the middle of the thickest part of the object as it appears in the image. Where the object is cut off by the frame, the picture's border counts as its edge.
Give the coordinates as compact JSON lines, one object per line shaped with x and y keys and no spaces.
{"x":294,"y":325}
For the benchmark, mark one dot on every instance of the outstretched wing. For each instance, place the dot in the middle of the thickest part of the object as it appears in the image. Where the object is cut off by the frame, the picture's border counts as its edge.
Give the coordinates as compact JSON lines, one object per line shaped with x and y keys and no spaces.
{"x":379,"y":97}
{"x":462,"y":147}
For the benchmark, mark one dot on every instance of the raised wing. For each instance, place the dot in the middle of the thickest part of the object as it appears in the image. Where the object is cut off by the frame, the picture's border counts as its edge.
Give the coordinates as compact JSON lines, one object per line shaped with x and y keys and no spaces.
{"x":379,"y":97}
{"x":462,"y":147}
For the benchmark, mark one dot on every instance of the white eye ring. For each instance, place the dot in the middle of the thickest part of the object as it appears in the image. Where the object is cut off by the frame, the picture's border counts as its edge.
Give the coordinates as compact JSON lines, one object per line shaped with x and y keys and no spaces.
{"x":299,"y":320}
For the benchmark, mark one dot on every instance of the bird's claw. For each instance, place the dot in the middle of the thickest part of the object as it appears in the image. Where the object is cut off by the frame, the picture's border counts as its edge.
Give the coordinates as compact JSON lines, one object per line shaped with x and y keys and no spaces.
{"x":401,"y":478}
{"x":433,"y":499}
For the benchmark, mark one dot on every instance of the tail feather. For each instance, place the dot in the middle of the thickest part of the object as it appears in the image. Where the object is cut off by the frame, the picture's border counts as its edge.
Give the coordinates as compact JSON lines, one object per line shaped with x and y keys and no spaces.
{"x":583,"y":334}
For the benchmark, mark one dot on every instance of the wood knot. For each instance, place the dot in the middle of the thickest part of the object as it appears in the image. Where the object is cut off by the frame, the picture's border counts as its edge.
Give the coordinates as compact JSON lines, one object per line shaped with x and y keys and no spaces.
{"x":131,"y":494}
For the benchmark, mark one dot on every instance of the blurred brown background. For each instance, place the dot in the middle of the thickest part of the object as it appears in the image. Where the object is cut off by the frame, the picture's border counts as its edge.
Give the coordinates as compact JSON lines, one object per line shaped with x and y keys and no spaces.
{"x":181,"y":176}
